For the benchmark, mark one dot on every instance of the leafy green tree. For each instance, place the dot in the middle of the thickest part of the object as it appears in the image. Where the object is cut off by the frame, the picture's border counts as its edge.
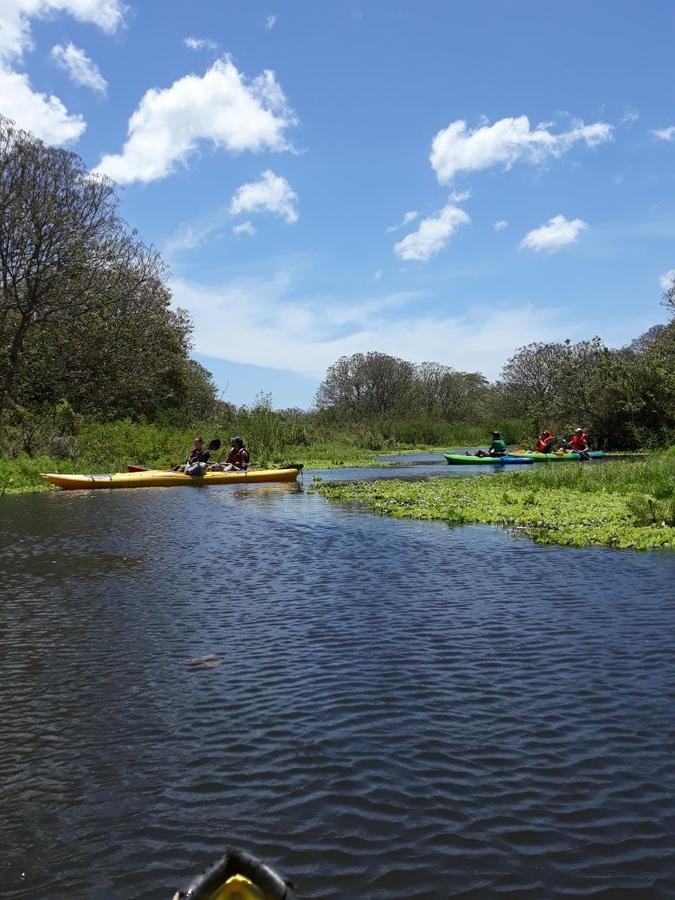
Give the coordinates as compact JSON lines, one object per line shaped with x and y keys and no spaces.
{"x":366,"y":384}
{"x":85,"y":311}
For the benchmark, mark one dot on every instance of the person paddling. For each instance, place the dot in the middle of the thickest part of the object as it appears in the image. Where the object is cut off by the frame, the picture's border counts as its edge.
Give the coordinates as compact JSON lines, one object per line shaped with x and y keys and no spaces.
{"x":196,"y":464}
{"x":579,"y":443}
{"x":544,"y":442}
{"x":496,"y":448}
{"x":237,"y":459}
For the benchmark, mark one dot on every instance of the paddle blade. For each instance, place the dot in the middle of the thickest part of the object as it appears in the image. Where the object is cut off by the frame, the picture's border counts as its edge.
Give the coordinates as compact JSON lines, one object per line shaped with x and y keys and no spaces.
{"x":214,"y":445}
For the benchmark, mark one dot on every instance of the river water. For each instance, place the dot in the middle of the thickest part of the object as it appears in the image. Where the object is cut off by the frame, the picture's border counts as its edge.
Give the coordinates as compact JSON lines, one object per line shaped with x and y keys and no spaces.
{"x":391,"y":709}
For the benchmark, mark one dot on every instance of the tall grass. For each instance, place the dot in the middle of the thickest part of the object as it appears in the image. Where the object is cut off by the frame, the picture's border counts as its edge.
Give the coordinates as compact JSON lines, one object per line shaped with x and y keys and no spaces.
{"x":654,"y":475}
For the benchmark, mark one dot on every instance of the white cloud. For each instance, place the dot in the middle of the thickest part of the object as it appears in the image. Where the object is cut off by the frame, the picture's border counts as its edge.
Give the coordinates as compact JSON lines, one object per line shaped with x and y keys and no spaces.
{"x":275,"y":330}
{"x":432,"y":234}
{"x":377,"y":275}
{"x":44,"y":115}
{"x":221,"y":107}
{"x":454,"y":149}
{"x":501,"y":225}
{"x":80,"y":68}
{"x":406,"y":220}
{"x":666,"y":280}
{"x":15,"y":16}
{"x":194,"y":43}
{"x":630,"y":115}
{"x":272,"y":193}
{"x":244,"y":228}
{"x":270,"y":22}
{"x":558,"y":232}
{"x":665,"y":134}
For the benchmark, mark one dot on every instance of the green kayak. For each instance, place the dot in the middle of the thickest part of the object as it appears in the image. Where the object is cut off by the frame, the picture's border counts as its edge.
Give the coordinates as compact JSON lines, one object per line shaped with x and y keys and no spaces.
{"x":465,"y":459}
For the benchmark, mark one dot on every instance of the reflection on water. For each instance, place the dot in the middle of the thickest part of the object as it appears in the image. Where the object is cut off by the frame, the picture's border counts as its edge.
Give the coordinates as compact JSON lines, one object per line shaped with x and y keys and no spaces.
{"x":382,"y":709}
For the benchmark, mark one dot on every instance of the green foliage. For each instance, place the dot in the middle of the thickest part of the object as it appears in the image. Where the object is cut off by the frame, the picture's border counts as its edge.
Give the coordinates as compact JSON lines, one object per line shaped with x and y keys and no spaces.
{"x":615,"y":504}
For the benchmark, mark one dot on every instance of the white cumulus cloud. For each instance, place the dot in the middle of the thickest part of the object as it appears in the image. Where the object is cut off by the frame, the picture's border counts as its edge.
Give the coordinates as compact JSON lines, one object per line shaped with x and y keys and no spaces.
{"x":666,"y":280}
{"x":15,"y":16}
{"x":221,"y":106}
{"x":270,"y":22}
{"x":432,"y":234}
{"x":195,"y":43}
{"x":42,"y":114}
{"x":455,"y":149}
{"x":271,"y":193}
{"x":558,"y":232}
{"x":501,"y":225}
{"x":80,"y":68}
{"x":665,"y":134}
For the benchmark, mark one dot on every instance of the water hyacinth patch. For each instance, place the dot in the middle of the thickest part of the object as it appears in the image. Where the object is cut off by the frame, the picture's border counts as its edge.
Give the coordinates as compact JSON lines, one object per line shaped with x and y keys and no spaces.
{"x":550,"y":510}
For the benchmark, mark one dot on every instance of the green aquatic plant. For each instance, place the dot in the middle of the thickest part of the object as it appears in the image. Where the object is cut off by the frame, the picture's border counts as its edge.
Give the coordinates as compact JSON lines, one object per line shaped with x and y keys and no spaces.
{"x":592,"y":505}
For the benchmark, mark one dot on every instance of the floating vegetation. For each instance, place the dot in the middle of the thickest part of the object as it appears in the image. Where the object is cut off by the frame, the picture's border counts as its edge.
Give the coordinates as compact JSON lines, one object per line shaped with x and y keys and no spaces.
{"x":613,"y":504}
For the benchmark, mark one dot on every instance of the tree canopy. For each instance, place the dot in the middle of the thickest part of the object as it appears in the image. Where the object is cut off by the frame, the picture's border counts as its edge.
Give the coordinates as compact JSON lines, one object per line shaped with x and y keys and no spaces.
{"x":85,"y":312}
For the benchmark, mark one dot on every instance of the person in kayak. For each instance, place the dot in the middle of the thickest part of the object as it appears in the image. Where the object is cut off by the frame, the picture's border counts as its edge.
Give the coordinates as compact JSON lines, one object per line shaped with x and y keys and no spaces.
{"x":496,"y":448}
{"x":544,"y":442}
{"x":579,"y":443}
{"x":196,"y":464}
{"x":237,"y":459}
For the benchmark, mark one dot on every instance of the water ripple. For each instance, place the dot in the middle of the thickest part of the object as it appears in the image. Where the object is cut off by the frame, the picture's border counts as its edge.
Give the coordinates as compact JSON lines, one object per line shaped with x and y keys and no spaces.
{"x":398,"y":710}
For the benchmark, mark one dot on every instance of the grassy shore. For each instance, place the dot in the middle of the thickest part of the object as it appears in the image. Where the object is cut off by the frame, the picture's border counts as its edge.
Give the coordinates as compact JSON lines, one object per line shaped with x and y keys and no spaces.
{"x":21,"y":474}
{"x":614,"y":504}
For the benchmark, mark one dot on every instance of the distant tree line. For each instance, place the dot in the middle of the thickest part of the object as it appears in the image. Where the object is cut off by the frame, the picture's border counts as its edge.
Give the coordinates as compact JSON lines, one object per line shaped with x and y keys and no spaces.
{"x":624,"y":397}
{"x":85,"y":316}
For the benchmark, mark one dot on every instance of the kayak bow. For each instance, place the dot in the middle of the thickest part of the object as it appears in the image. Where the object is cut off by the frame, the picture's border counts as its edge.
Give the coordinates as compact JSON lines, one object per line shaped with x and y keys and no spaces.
{"x":238,"y":876}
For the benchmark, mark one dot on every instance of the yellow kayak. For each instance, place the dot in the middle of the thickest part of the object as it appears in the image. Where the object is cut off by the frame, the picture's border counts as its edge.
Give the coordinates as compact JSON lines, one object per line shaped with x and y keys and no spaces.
{"x":157,"y":478}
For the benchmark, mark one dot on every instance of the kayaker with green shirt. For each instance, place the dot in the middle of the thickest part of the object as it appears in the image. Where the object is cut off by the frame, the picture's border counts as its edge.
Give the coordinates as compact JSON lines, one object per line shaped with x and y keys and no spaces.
{"x":496,"y":448}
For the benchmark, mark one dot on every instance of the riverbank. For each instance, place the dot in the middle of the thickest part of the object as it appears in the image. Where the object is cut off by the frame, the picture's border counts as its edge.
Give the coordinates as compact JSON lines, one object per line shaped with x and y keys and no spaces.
{"x":21,"y":474}
{"x":613,"y":504}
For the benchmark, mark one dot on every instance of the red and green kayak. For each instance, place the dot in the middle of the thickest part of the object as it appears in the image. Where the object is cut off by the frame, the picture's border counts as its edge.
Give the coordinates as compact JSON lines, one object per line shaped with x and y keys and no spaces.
{"x":555,"y":457}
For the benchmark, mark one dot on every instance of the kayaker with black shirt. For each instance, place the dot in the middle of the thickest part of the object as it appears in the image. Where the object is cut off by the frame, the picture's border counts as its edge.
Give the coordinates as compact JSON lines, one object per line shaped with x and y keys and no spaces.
{"x":196,"y":464}
{"x":496,"y":448}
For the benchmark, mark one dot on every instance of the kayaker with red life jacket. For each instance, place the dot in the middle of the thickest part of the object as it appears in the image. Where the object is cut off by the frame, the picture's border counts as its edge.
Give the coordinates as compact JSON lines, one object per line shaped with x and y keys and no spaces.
{"x":545,"y":441}
{"x":237,"y":459}
{"x":579,"y":440}
{"x":579,"y":443}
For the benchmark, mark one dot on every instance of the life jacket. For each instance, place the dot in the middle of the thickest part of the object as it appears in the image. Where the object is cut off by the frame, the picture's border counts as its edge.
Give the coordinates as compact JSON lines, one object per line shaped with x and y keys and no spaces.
{"x":238,"y":458}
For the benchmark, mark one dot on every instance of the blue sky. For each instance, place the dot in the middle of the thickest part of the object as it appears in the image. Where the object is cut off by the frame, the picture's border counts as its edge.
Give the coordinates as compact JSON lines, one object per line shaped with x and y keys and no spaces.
{"x":439,"y":181}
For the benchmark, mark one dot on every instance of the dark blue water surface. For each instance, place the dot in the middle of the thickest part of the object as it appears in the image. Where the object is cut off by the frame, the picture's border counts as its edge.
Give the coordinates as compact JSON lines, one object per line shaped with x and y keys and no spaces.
{"x":395,"y":709}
